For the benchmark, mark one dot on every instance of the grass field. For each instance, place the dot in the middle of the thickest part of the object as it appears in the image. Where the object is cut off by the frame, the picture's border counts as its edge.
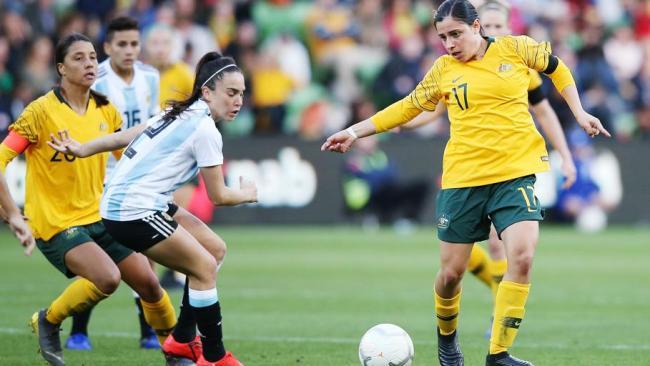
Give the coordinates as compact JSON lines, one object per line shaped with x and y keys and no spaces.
{"x":304,"y":296}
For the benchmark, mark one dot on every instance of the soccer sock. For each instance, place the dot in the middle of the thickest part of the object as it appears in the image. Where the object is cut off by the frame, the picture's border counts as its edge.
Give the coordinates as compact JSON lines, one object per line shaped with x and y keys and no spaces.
{"x":207,"y":311}
{"x":479,"y":265}
{"x":498,"y":268}
{"x":80,"y":322}
{"x":447,"y":312}
{"x":508,"y":314}
{"x":185,"y":330}
{"x":160,"y":315}
{"x":145,"y":328}
{"x":80,"y":295}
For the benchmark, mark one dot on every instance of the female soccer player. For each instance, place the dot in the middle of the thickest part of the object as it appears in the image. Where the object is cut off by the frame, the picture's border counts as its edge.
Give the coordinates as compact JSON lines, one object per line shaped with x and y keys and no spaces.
{"x":62,"y":200}
{"x":489,"y":164}
{"x":170,"y":150}
{"x":495,"y":18}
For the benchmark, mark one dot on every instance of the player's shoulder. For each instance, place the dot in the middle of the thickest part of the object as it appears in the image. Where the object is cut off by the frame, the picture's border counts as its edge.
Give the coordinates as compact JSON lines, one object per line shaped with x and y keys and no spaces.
{"x":145,"y":68}
{"x":103,"y":68}
{"x":443,"y":62}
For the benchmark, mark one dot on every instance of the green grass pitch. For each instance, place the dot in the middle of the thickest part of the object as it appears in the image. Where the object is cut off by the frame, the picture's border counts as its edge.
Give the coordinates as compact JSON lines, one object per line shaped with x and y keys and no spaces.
{"x":304,"y":296}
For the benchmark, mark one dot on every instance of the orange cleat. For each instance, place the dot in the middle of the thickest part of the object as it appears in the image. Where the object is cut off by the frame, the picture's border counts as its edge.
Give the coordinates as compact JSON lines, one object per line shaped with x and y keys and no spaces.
{"x":192,"y":350}
{"x":227,"y":360}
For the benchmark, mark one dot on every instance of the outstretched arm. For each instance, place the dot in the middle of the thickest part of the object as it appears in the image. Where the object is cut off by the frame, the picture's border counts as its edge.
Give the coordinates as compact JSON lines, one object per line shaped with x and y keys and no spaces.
{"x":342,"y":141}
{"x":113,"y":141}
{"x":15,"y":218}
{"x":549,"y":122}
{"x":222,"y":195}
{"x":425,"y":118}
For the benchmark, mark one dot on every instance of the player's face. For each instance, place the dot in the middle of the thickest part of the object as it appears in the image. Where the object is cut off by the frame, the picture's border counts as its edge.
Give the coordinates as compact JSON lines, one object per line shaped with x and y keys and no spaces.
{"x":495,"y":23}
{"x":123,"y":49}
{"x":79,"y":64}
{"x":226,"y":100}
{"x":159,"y":48}
{"x":459,"y":39}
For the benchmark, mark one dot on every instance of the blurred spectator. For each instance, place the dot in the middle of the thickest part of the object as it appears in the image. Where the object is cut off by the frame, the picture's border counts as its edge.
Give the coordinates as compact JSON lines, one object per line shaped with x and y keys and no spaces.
{"x":144,"y":12}
{"x":222,"y":23}
{"x":401,"y":73}
{"x":400,"y":23}
{"x":38,"y":74}
{"x":586,"y":201}
{"x":272,"y":88}
{"x":6,"y":88}
{"x":198,"y":39}
{"x":40,"y":15}
{"x":371,"y":184}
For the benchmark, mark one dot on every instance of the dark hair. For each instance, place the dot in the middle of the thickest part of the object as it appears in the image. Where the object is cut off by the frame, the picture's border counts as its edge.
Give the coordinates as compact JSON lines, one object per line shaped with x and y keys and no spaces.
{"x":120,"y":24}
{"x":206,"y":73}
{"x":62,"y":48}
{"x":461,"y":10}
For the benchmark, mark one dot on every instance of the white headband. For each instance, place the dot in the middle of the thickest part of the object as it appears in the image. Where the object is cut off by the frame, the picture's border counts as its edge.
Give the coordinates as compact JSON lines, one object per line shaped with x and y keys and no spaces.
{"x":216,"y":72}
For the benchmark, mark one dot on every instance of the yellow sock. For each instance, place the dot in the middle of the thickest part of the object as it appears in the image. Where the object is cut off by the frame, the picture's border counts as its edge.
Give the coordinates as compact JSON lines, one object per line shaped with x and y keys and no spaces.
{"x":479,"y":265}
{"x":447,"y":312}
{"x":160,"y":315}
{"x":77,"y":297}
{"x":508,"y":313}
{"x":498,"y":268}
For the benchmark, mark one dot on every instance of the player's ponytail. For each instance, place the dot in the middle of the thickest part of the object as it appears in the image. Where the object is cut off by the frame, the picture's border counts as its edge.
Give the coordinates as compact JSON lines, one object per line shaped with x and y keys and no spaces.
{"x":210,"y":68}
{"x":461,"y":10}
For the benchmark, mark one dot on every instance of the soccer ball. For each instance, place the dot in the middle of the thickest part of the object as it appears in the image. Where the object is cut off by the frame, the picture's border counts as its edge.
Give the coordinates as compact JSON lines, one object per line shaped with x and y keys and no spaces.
{"x":386,"y":345}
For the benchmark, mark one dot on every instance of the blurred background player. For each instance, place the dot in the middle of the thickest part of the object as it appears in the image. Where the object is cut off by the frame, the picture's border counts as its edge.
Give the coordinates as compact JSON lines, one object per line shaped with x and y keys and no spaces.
{"x":133,"y":87}
{"x":495,"y":20}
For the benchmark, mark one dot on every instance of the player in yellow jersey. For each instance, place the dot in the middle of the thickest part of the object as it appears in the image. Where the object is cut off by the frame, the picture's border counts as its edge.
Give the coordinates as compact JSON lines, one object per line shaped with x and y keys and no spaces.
{"x":495,"y":17}
{"x":489,"y":163}
{"x":62,"y":200}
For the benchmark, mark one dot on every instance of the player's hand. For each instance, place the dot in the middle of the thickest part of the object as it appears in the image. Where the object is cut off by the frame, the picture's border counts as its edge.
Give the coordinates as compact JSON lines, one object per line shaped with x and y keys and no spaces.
{"x":250,"y":187}
{"x":65,"y":144}
{"x":591,"y":125}
{"x":339,"y":142}
{"x":22,"y":231}
{"x":569,"y":172}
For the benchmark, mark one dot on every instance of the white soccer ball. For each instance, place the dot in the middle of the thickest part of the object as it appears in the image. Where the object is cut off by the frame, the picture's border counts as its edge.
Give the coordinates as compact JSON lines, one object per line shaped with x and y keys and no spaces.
{"x":386,"y":345}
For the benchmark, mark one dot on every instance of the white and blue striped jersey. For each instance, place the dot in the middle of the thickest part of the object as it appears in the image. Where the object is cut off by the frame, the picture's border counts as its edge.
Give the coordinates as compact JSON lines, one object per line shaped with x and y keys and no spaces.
{"x":162,"y":158}
{"x":136,"y":101}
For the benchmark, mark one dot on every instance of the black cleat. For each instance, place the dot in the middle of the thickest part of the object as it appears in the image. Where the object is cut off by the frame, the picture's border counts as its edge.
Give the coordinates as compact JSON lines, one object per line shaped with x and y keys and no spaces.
{"x":49,"y":341}
{"x":449,"y":353}
{"x":504,"y":359}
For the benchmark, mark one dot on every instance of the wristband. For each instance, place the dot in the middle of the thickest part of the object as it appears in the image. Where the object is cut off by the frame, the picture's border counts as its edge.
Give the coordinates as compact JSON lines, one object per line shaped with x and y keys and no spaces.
{"x":351,"y":132}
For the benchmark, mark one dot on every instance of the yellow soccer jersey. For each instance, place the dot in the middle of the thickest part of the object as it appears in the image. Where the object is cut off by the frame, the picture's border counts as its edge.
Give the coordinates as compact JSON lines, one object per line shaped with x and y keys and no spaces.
{"x":176,"y":83}
{"x":63,"y":191}
{"x":534,"y":80}
{"x":492,"y":137}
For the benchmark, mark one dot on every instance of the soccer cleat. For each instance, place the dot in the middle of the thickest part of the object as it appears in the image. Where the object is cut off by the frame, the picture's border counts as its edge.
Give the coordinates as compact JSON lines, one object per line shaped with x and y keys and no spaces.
{"x":449,"y":353}
{"x":504,"y":359}
{"x":227,"y":360}
{"x":49,"y":342}
{"x":78,"y":342}
{"x":192,"y":350}
{"x":149,"y":342}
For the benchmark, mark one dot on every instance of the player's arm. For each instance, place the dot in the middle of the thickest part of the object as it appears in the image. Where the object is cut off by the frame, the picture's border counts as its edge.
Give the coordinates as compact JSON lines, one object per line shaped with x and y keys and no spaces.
{"x":114,"y":141}
{"x":424,"y":98}
{"x":550,"y":124}
{"x":538,"y":56}
{"x":14,"y":218}
{"x":425,"y":118}
{"x":222,"y":195}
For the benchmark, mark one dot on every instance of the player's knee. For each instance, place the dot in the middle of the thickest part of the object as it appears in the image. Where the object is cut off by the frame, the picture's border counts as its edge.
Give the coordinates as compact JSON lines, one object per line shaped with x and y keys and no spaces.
{"x":220,"y":250}
{"x":521,"y":263}
{"x":205,"y":270}
{"x":149,"y":289}
{"x":451,"y":276}
{"x":108,"y":282}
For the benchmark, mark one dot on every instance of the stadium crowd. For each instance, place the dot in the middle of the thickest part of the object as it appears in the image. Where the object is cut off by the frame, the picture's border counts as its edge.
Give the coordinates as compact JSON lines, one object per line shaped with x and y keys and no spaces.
{"x":308,"y":64}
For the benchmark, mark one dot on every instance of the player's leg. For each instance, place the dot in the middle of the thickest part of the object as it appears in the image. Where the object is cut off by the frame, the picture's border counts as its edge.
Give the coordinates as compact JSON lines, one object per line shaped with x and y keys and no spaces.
{"x":78,"y":339}
{"x":182,"y":252}
{"x":148,"y":338}
{"x":74,"y":253}
{"x":461,"y":223}
{"x":479,"y":265}
{"x":515,"y":212}
{"x":498,"y":261}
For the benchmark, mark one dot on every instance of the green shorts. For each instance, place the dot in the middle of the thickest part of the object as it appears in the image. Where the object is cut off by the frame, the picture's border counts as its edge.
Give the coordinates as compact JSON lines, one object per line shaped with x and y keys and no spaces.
{"x":55,"y":248}
{"x":463,"y":215}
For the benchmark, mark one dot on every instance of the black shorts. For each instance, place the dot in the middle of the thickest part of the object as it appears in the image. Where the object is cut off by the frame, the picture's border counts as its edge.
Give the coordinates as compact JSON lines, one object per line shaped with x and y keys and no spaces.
{"x":146,"y":232}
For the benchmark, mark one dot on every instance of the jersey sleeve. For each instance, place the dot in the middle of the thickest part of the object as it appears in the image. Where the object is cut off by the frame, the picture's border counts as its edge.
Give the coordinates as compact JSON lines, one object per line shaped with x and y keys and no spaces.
{"x":114,"y":117}
{"x":29,"y":122}
{"x":536,"y":56}
{"x":425,"y":97}
{"x":535,"y":92}
{"x":207,"y":145}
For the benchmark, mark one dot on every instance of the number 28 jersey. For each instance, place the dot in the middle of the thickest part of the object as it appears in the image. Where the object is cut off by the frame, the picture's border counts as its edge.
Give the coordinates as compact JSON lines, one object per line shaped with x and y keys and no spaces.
{"x":166,"y":155}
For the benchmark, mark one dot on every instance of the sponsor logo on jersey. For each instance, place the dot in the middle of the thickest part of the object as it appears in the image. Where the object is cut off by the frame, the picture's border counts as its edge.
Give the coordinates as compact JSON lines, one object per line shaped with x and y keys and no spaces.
{"x":505,"y":67}
{"x":103,"y":126}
